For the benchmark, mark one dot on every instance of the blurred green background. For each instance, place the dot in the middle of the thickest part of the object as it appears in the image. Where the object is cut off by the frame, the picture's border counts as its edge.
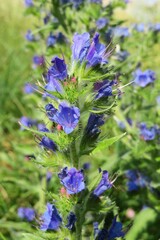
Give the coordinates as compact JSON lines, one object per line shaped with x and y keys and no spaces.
{"x":16,"y":173}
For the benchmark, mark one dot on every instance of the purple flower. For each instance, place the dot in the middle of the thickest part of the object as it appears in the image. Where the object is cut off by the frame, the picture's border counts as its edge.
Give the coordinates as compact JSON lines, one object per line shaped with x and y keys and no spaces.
{"x":147,"y":133}
{"x":54,"y":85}
{"x":30,"y":37}
{"x":29,"y":88}
{"x":66,"y":116}
{"x":81,"y":43}
{"x":135,"y":180}
{"x":104,"y":88}
{"x":51,"y":40}
{"x":60,"y":37}
{"x":38,"y":60}
{"x":48,"y":176}
{"x":42,"y":127}
{"x":94,"y":122}
{"x":139,"y":27}
{"x":86,"y":166}
{"x":64,"y":1}
{"x":27,"y":122}
{"x":51,"y":111}
{"x":58,"y":70}
{"x":104,"y":184}
{"x":102,"y":22}
{"x":96,"y":1}
{"x":46,"y":19}
{"x":45,"y":141}
{"x":26,"y":213}
{"x":156,"y":27}
{"x":28,"y":3}
{"x":121,"y":32}
{"x":72,"y":180}
{"x":96,"y":53}
{"x":50,"y":220}
{"x":48,"y":143}
{"x":115,"y":231}
{"x":158,"y":100}
{"x":142,"y":79}
{"x":71,"y":221}
{"x":122,"y":55}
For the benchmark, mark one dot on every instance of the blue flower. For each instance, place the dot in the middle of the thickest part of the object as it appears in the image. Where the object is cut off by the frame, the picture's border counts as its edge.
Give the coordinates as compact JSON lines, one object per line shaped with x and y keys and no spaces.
{"x":122,"y":55}
{"x":94,"y":122}
{"x":104,"y":184}
{"x":66,"y":116}
{"x":86,"y":166}
{"x":71,"y":221}
{"x":54,"y":85}
{"x":72,"y":180}
{"x":50,"y":220}
{"x":38,"y":60}
{"x":51,"y":111}
{"x":96,"y":53}
{"x":51,"y":40}
{"x":121,"y":32}
{"x":30,"y":37}
{"x":45,"y":141}
{"x":81,"y":43}
{"x":28,"y":3}
{"x":104,"y":88}
{"x":156,"y":27}
{"x":26,"y":213}
{"x":96,"y":1}
{"x":102,"y":22}
{"x":139,"y":27}
{"x":142,"y":79}
{"x":135,"y":180}
{"x":158,"y":100}
{"x":115,"y":231}
{"x":147,"y":133}
{"x":46,"y":19}
{"x":29,"y":88}
{"x":48,"y":176}
{"x":48,"y":143}
{"x":27,"y":122}
{"x":58,"y":70}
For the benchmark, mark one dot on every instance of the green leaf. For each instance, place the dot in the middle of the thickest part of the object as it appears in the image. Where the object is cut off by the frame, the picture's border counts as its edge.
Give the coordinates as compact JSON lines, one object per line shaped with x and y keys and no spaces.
{"x":107,"y":142}
{"x":28,"y":236}
{"x":141,"y":222}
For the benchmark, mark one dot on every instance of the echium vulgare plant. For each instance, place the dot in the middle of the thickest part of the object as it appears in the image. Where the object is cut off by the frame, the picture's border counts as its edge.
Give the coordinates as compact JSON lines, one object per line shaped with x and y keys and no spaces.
{"x":80,"y":97}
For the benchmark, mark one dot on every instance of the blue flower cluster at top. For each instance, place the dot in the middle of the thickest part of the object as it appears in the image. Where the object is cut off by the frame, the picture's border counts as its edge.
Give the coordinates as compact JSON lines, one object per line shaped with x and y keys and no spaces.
{"x":26,"y":213}
{"x":115,"y":231}
{"x":142,"y":79}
